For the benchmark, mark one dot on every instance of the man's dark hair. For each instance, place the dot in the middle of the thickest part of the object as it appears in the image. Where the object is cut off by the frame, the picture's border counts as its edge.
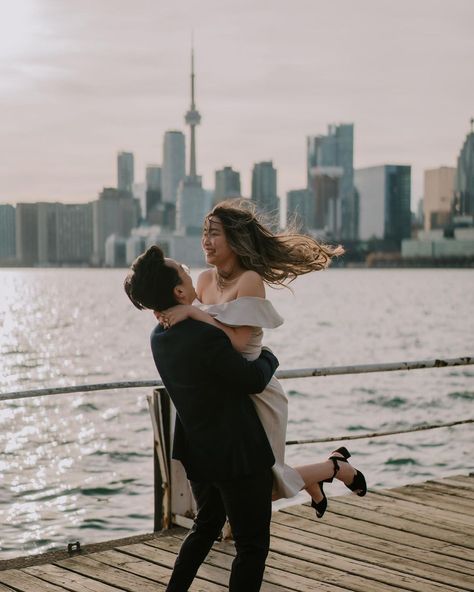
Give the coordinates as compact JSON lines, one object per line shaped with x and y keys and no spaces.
{"x":150,"y":283}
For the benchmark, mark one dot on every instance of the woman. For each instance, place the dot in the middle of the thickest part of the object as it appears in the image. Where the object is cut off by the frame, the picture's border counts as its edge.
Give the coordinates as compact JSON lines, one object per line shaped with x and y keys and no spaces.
{"x":244,"y":255}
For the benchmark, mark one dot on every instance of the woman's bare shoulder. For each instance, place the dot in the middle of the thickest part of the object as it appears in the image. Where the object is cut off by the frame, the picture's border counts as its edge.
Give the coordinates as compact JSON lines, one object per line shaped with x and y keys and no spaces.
{"x":203,"y":281}
{"x":251,"y":284}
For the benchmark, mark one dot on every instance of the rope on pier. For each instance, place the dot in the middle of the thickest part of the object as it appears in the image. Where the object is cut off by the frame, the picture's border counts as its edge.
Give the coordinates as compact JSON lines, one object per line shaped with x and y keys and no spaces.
{"x":379,"y":434}
{"x":297,"y":373}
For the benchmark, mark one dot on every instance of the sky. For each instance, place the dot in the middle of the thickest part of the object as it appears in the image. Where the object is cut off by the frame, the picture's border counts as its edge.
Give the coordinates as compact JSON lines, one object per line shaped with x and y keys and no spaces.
{"x":81,"y":80}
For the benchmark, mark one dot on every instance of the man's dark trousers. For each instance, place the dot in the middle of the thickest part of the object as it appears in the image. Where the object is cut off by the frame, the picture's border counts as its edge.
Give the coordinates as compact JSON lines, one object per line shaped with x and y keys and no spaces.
{"x":247,"y":503}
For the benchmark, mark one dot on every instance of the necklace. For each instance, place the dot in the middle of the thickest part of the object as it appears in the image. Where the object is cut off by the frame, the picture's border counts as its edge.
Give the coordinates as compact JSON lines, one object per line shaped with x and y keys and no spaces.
{"x":223,"y":280}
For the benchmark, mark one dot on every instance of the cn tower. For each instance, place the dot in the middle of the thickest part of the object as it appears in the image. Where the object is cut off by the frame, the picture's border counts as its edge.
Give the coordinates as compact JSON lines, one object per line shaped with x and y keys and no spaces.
{"x":192,"y":118}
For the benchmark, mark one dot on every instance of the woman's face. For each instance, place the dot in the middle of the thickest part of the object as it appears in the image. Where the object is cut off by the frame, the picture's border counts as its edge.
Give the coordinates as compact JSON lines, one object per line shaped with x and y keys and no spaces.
{"x":214,"y":243}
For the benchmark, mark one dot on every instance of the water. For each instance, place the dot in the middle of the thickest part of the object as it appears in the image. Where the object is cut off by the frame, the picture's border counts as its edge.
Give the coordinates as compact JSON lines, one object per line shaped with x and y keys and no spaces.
{"x":79,"y":467}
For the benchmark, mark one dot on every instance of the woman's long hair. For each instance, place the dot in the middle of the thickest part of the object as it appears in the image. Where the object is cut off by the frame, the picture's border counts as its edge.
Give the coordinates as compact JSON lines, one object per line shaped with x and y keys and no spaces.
{"x":278,"y":258}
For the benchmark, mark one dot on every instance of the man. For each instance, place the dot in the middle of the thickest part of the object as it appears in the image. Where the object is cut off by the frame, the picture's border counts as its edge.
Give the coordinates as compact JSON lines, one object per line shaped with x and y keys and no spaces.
{"x":218,"y":435}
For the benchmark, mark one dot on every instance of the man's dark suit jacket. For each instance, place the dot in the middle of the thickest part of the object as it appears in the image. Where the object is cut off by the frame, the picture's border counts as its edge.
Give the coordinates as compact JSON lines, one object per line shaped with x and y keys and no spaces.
{"x":218,"y":434}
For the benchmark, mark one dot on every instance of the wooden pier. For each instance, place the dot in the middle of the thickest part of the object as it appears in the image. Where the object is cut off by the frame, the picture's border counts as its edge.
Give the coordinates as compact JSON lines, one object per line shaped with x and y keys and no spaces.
{"x":418,"y":538}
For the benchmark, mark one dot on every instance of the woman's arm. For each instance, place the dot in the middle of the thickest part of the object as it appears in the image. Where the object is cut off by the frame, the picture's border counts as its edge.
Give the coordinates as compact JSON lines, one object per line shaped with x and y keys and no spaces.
{"x":239,"y":336}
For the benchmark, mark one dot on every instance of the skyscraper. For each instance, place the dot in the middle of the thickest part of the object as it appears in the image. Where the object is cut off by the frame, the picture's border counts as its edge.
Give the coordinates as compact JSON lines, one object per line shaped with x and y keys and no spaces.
{"x":27,"y":233}
{"x":153,"y":188}
{"x":125,"y":172}
{"x":464,"y":182}
{"x":438,"y":197}
{"x":300,"y":208}
{"x":330,"y":173}
{"x":47,"y":233}
{"x":115,"y":212}
{"x":191,"y":203}
{"x":227,"y":184}
{"x":384,"y":202}
{"x":7,"y":232}
{"x":264,"y":188}
{"x":74,"y":233}
{"x":173,"y":165}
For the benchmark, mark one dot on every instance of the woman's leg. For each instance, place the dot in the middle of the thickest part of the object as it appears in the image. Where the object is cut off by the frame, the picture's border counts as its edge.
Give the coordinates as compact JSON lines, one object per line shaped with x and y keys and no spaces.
{"x":321,"y":471}
{"x":316,"y":473}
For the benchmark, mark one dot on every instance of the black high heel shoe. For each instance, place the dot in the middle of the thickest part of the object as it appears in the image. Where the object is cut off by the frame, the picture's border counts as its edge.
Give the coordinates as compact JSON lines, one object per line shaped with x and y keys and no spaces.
{"x":358,"y":484}
{"x":321,"y":506}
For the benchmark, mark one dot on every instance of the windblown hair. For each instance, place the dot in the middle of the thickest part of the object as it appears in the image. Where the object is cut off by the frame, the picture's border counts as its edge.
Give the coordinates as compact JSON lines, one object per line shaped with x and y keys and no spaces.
{"x":150,"y":283}
{"x":279,"y":258}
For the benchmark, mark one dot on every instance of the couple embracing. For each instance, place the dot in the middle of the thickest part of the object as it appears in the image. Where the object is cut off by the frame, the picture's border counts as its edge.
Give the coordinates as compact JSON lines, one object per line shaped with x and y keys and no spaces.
{"x":231,"y":411}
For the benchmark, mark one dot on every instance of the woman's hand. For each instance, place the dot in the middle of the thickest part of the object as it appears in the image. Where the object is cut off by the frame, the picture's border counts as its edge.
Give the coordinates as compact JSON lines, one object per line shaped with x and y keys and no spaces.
{"x":175,"y":314}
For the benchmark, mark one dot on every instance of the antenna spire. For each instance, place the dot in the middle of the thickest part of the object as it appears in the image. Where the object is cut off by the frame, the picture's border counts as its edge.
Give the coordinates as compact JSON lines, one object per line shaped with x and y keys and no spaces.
{"x":192,"y":118}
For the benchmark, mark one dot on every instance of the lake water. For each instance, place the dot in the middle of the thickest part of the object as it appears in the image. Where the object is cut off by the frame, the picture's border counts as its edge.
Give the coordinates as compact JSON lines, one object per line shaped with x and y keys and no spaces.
{"x":79,"y":467}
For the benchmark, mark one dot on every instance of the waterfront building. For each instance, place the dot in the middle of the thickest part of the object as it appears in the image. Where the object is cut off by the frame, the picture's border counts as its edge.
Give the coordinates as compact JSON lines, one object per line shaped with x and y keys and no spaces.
{"x":64,"y":234}
{"x":26,"y":233}
{"x":330,"y":178}
{"x":227,"y":184}
{"x":191,"y":203}
{"x":264,"y":188}
{"x":433,"y":244}
{"x":464,"y":179}
{"x":115,"y":212}
{"x":191,"y":207}
{"x":174,"y":245}
{"x":54,"y":233}
{"x":74,"y":233}
{"x":115,"y":251}
{"x":153,"y":200}
{"x":139,"y":192}
{"x":7,"y":232}
{"x":438,"y":197}
{"x":384,"y":194}
{"x":125,"y":172}
{"x":47,"y":233}
{"x":420,"y":213}
{"x":300,"y":208}
{"x":173,"y":170}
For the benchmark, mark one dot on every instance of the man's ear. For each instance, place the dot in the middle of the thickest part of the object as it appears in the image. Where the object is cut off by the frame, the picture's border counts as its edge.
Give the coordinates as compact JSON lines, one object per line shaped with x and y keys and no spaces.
{"x":178,"y":292}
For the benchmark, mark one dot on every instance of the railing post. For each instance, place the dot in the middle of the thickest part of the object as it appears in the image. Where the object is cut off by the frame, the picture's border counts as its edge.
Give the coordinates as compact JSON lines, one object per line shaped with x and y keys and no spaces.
{"x":159,"y":404}
{"x":174,"y":503}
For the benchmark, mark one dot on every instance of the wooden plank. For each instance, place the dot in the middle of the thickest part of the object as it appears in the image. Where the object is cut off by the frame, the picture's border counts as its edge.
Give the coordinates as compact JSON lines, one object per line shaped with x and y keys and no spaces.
{"x":364,"y":529}
{"x":68,"y":579}
{"x":426,"y":500}
{"x":281,"y":535}
{"x":416,"y":538}
{"x":408,"y":510}
{"x":352,"y":575}
{"x":216,"y":560}
{"x":24,"y":582}
{"x":466,"y":495}
{"x":209,"y":580}
{"x":463,"y":480}
{"x":322,"y":577}
{"x":459,"y":481}
{"x":462,"y":538}
{"x":222,"y":555}
{"x":109,"y":575}
{"x":330,"y":533}
{"x":429,"y":498}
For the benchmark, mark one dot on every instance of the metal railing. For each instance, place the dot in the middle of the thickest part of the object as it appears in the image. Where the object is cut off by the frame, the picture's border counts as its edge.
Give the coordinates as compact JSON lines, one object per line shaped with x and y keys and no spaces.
{"x":281,"y":374}
{"x":173,"y":499}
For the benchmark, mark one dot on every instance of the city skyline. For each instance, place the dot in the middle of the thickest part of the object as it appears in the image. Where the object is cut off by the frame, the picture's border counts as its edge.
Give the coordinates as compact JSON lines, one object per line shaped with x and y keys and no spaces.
{"x":75,"y":92}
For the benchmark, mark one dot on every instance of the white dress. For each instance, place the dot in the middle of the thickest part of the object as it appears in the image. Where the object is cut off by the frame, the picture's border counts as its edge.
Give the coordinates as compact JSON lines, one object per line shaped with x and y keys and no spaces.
{"x":272,"y":403}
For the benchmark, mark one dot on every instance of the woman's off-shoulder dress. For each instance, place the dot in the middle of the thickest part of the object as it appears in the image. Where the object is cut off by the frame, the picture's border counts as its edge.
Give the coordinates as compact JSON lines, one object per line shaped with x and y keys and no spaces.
{"x":272,"y":403}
